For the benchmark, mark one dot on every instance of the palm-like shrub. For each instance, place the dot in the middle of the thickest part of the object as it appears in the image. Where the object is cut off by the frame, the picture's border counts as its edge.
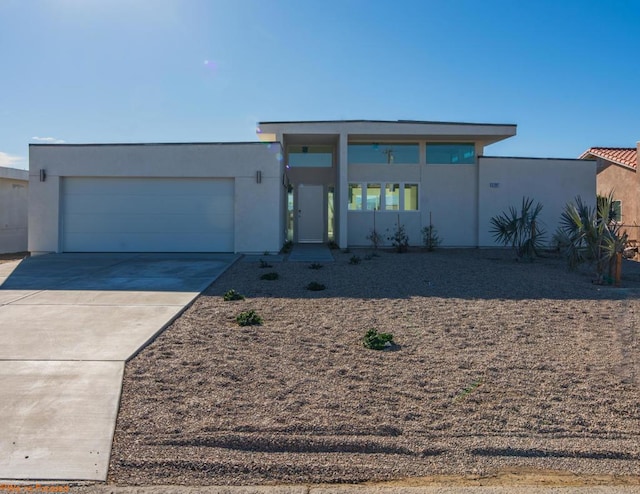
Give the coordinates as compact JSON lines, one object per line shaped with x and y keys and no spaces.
{"x":591,"y":234}
{"x":520,"y":229}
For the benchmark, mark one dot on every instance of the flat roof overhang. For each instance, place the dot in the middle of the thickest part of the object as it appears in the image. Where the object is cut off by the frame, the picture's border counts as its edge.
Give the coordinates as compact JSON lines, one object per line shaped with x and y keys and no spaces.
{"x":367,"y":130}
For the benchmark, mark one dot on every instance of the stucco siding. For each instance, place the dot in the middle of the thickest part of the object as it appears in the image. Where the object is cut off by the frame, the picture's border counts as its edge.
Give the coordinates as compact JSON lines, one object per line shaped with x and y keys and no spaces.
{"x":625,"y":184}
{"x":384,"y":173}
{"x":14,"y":188}
{"x":361,"y":225}
{"x":258,"y":222}
{"x":503,"y":182}
{"x":450,"y":194}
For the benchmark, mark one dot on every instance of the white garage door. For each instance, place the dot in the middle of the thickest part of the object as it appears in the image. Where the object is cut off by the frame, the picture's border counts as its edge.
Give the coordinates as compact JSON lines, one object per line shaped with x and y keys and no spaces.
{"x":147,"y":215}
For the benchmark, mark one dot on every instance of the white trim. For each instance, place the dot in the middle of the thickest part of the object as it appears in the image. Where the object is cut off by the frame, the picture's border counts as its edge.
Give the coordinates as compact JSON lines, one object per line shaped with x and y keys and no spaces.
{"x":383,"y":198}
{"x":619,"y":220}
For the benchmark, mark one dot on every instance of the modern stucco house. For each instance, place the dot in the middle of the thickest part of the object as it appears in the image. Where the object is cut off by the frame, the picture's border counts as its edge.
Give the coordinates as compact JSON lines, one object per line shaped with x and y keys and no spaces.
{"x":14,"y":184}
{"x":617,"y":171}
{"x":312,"y":181}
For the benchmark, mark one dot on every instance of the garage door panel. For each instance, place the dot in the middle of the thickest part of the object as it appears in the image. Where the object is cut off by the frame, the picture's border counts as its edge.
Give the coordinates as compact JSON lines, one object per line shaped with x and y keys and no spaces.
{"x":132,"y":223}
{"x":123,"y":204}
{"x":153,"y":215}
{"x":144,"y":186}
{"x":150,"y":242}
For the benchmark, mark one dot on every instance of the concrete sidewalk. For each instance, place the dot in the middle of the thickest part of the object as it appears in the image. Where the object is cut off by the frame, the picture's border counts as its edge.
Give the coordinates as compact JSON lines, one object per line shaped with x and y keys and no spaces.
{"x":310,"y":253}
{"x":68,"y":323}
{"x":354,"y":489}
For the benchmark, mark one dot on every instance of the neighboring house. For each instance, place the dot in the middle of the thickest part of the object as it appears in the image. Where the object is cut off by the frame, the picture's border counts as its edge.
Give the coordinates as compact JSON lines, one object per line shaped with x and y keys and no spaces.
{"x":305,"y":181}
{"x":617,"y":171}
{"x":14,"y":185}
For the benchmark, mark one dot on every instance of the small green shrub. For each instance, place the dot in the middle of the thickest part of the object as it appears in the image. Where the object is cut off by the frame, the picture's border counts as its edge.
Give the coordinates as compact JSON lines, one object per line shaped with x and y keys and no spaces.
{"x":468,"y":390}
{"x":270,"y":276}
{"x":520,"y":229}
{"x":264,"y":264}
{"x":249,"y":318}
{"x":375,"y":238}
{"x":355,"y":260}
{"x":231,"y":295}
{"x":315,"y":286}
{"x":315,"y":265}
{"x":399,"y":238}
{"x":265,"y":253}
{"x":593,"y":235}
{"x":430,"y":238}
{"x":333,"y":245}
{"x":286,"y":248}
{"x":377,"y":341}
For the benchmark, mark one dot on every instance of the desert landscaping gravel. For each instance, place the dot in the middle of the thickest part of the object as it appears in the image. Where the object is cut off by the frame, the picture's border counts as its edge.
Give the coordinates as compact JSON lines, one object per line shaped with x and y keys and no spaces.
{"x":498,"y":364}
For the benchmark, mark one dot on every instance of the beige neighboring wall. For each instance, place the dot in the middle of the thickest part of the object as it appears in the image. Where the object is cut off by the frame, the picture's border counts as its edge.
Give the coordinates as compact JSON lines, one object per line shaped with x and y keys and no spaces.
{"x":14,"y":185}
{"x":258,"y":221}
{"x":625,"y":184}
{"x":503,"y":182}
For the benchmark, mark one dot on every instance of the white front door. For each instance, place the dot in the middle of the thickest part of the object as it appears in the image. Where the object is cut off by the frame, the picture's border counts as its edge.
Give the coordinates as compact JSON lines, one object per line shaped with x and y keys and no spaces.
{"x":310,"y":213}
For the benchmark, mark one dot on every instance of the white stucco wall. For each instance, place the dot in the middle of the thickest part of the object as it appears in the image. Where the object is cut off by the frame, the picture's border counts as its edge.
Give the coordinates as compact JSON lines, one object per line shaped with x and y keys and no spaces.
{"x":450,"y":194}
{"x":462,"y":201}
{"x":361,"y":225}
{"x":14,"y":185}
{"x":258,"y":218}
{"x":552,"y":182}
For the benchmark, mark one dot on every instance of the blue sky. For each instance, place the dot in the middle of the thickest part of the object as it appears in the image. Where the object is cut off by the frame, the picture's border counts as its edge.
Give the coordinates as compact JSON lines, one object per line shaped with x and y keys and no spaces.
{"x":567,"y":72}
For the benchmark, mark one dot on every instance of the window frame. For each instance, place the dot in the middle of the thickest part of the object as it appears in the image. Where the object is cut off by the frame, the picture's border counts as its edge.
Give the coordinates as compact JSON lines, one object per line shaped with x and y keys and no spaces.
{"x":350,"y":194}
{"x":380,"y":200}
{"x":404,"y":196}
{"x":383,"y":199}
{"x":390,"y":185}
{"x":617,"y":214}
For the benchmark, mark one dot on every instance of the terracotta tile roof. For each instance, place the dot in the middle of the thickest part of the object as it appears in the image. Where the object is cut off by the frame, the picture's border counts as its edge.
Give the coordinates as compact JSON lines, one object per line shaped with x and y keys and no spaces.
{"x":622,"y":156}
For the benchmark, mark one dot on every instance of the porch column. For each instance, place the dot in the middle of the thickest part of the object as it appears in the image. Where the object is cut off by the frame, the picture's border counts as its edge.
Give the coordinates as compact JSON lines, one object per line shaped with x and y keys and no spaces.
{"x":343,"y":190}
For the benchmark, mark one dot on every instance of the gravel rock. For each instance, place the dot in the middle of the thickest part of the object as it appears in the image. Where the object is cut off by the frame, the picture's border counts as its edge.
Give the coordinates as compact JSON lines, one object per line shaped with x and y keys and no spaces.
{"x":498,"y":364}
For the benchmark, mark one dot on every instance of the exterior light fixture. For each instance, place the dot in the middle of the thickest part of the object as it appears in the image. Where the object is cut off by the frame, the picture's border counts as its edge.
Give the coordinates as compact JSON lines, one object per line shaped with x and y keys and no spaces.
{"x":258,"y":177}
{"x":43,"y":174}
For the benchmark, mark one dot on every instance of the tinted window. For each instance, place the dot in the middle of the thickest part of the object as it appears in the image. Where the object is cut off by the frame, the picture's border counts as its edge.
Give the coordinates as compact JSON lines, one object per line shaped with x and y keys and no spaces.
{"x":310,"y":156}
{"x":375,"y":153}
{"x":451,"y":154}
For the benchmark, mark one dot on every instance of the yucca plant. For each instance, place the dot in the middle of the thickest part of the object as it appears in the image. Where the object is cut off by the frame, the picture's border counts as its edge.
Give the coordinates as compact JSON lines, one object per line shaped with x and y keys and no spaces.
{"x":591,"y":234}
{"x":520,"y":229}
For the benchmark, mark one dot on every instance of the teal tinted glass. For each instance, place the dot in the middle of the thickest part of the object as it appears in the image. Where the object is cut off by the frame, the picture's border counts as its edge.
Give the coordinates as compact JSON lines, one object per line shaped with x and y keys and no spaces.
{"x":384,"y":153}
{"x":310,"y":156}
{"x":451,"y":154}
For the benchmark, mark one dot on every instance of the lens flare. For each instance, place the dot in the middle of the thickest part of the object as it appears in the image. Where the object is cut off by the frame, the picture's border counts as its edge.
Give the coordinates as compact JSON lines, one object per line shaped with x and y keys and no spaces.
{"x":211,"y":66}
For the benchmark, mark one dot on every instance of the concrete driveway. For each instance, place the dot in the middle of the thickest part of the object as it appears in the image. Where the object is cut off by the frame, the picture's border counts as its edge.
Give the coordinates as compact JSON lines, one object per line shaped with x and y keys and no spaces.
{"x":68,"y":324}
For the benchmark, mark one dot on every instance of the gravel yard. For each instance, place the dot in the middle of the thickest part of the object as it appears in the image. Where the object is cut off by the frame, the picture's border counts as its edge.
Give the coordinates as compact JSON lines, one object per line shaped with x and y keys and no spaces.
{"x":498,"y":365}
